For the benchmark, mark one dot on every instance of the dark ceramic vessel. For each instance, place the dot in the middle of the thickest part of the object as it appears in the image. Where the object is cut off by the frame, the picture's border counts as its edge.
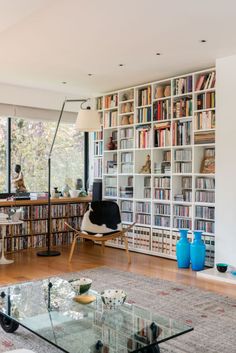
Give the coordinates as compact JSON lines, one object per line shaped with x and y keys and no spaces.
{"x":222,"y":267}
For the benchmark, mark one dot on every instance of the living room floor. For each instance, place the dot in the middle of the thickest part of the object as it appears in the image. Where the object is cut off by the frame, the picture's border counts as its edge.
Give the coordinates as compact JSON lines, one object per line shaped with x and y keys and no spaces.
{"x":28,"y":266}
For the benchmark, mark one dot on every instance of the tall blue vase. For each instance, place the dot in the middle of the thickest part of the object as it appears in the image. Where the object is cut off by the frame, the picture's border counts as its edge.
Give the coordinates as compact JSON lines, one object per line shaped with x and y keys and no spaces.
{"x":197,"y":252}
{"x":183,"y":250}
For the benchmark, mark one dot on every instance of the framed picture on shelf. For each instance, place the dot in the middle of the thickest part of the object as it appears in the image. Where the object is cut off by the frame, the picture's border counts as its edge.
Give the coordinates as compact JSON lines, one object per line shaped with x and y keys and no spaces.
{"x":208,"y":165}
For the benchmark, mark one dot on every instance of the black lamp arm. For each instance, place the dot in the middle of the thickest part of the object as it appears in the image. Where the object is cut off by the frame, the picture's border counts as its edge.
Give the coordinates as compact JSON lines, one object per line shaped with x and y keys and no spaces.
{"x":59,"y":120}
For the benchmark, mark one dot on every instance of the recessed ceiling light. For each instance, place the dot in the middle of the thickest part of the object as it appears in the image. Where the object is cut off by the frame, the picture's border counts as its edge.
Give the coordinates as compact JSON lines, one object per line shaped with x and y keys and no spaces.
{"x":158,"y":53}
{"x":64,"y":82}
{"x":90,"y":74}
{"x":203,"y":41}
{"x":121,"y":64}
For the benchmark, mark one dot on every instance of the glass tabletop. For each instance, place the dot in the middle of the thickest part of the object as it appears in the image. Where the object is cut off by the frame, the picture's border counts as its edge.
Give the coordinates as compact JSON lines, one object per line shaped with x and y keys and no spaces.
{"x":47,"y":308}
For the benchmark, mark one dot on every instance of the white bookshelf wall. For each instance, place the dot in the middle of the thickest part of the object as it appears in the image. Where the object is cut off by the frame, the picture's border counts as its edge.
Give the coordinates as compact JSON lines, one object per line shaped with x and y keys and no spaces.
{"x":172,"y":121}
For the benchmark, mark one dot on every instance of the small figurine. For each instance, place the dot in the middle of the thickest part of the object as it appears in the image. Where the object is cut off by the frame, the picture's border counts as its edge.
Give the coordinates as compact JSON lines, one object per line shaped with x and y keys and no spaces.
{"x":18,"y":180}
{"x":146,"y":168}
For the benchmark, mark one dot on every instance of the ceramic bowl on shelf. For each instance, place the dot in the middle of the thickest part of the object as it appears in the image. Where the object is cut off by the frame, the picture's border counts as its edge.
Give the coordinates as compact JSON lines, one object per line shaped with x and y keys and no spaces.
{"x":74,"y":193}
{"x":222,"y":267}
{"x":113,"y":298}
{"x":81,"y":285}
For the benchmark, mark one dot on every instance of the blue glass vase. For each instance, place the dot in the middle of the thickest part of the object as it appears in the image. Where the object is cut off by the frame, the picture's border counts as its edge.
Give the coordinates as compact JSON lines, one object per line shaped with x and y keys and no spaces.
{"x":197,"y":251}
{"x":183,"y":250}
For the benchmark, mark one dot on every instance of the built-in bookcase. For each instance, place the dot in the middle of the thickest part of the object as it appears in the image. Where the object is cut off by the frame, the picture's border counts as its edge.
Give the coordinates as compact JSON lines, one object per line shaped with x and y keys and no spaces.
{"x":173,"y":122}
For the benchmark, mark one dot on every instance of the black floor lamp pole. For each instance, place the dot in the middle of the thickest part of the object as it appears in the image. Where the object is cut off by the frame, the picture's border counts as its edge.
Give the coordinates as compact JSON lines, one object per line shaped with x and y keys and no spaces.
{"x":50,"y":252}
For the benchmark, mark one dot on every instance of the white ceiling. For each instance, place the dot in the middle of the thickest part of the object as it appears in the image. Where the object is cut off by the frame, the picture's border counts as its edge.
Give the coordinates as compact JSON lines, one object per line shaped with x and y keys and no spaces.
{"x":45,"y":42}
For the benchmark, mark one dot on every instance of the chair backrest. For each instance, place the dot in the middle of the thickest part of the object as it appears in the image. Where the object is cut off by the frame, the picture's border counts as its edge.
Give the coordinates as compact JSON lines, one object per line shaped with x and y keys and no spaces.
{"x":102,"y":217}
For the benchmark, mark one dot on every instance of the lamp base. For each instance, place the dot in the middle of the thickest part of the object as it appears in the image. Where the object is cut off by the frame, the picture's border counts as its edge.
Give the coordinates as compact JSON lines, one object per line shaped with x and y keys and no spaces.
{"x":48,"y":253}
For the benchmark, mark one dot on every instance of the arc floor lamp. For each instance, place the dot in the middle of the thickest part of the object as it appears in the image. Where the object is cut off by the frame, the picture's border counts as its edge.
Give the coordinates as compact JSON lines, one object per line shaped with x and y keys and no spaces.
{"x":88,"y":120}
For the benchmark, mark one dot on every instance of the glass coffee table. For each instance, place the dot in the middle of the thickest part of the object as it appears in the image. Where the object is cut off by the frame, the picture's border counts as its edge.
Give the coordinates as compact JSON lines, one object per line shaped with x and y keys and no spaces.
{"x":47,"y":309}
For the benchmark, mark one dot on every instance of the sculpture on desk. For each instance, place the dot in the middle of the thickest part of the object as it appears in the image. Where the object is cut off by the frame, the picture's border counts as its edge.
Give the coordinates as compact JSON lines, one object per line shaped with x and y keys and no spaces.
{"x":18,"y":180}
{"x":146,"y":168}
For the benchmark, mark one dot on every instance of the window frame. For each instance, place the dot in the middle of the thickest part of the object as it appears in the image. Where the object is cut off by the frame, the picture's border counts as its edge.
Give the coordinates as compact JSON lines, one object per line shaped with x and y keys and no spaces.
{"x":8,"y":156}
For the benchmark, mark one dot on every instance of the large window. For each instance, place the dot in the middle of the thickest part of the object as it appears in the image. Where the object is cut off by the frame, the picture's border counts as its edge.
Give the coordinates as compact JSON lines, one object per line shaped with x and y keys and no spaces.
{"x":30,"y":144}
{"x":3,"y":144}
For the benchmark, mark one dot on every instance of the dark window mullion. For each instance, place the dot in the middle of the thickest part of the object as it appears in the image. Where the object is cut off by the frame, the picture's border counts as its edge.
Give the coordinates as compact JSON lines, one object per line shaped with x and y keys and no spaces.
{"x":8,"y":155}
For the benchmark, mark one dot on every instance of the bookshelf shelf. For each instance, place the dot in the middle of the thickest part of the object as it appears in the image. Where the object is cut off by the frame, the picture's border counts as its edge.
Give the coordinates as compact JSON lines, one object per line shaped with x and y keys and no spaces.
{"x":205,"y":90}
{"x":173,"y":121}
{"x":32,"y":233}
{"x":126,"y":101}
{"x":183,"y":95}
{"x":128,"y":113}
{"x":161,"y":99}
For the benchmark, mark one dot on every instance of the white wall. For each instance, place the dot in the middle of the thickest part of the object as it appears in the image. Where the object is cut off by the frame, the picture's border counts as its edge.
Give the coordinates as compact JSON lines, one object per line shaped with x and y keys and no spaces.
{"x":226,"y":160}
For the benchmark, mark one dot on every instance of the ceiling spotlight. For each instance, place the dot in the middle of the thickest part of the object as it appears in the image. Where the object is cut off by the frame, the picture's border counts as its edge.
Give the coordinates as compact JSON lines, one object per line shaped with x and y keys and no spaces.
{"x":64,"y":82}
{"x":121,"y":64}
{"x":158,"y":53}
{"x":203,"y":41}
{"x":90,"y":74}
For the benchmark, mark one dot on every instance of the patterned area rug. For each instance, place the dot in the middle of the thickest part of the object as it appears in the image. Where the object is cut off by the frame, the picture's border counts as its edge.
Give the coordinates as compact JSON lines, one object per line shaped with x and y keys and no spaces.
{"x":212,"y":316}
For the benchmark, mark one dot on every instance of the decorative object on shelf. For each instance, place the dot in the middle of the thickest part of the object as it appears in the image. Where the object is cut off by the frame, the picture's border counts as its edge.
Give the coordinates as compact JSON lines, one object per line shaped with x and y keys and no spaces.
{"x":17,"y":215}
{"x":146,"y":168}
{"x":131,"y":119}
{"x":74,"y":193}
{"x":56,"y":194}
{"x":112,"y":298}
{"x":183,"y":249}
{"x":18,"y":180}
{"x":65,"y":190}
{"x":167,"y":91}
{"x":79,"y":184}
{"x":111,"y":145}
{"x":87,"y":121}
{"x":208,"y":165}
{"x":222,"y":267}
{"x":10,"y":212}
{"x":125,"y":97}
{"x":197,"y":252}
{"x":81,"y":285}
{"x":125,"y":120}
{"x":83,"y":193}
{"x":159,"y":91}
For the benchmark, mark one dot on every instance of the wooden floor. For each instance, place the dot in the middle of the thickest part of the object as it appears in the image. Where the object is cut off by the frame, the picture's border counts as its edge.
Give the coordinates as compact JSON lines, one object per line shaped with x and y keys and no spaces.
{"x":29,"y":266}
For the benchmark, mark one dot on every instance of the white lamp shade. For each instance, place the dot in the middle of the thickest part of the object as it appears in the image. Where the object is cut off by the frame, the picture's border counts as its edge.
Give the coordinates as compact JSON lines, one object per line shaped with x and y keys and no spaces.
{"x":88,"y":120}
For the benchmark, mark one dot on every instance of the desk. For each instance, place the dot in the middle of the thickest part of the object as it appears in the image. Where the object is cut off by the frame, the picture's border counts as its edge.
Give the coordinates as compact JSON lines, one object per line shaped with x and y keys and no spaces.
{"x":4,"y":224}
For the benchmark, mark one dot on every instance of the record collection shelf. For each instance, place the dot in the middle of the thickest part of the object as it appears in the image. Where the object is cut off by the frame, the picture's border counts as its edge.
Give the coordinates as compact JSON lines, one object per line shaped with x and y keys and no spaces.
{"x":32,"y":233}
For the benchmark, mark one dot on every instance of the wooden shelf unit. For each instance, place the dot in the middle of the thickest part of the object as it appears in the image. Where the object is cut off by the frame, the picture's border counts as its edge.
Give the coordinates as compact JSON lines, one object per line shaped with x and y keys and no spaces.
{"x":32,"y":233}
{"x":175,"y":126}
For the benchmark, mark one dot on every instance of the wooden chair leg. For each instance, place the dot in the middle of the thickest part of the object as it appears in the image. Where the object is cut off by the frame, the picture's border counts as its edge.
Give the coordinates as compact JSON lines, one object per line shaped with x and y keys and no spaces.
{"x":73,"y":248}
{"x":127,"y":249}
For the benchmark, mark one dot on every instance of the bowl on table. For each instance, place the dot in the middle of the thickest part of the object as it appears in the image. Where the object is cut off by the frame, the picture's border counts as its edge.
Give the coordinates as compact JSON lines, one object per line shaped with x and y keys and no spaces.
{"x":113,"y":298}
{"x":222,"y":267}
{"x":81,"y":285}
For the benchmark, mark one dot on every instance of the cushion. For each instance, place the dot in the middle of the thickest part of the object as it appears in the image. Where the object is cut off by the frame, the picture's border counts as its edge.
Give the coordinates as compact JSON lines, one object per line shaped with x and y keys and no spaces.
{"x":102,"y":217}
